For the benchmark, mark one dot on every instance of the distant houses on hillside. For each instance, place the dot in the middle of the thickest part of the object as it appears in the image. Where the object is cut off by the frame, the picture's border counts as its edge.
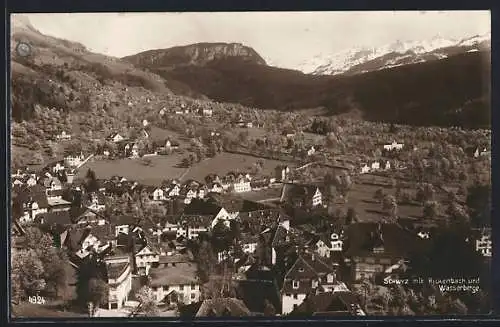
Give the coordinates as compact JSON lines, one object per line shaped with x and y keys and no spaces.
{"x":63,"y":136}
{"x":393,"y":146}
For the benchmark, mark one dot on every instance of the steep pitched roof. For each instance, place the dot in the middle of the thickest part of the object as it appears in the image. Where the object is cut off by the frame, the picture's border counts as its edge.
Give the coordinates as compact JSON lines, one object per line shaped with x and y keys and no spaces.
{"x":279,"y":237}
{"x":260,"y":285}
{"x":183,"y":274}
{"x":223,"y":307}
{"x":326,"y":304}
{"x":115,"y":270}
{"x":306,"y":267}
{"x":55,"y":218}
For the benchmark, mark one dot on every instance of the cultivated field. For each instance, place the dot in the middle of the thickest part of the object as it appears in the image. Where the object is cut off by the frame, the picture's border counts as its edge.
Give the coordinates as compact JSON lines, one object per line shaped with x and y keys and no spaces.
{"x":361,"y":197}
{"x":162,"y":167}
{"x":262,"y":195}
{"x":227,"y":162}
{"x":166,"y":167}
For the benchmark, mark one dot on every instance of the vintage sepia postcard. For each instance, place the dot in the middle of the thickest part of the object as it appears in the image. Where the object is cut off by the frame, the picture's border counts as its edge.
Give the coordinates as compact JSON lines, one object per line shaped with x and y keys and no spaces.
{"x":250,"y":164}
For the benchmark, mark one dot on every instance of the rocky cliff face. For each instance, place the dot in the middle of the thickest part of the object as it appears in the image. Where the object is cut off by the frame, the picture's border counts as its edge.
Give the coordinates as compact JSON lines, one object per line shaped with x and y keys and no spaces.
{"x":196,"y":54}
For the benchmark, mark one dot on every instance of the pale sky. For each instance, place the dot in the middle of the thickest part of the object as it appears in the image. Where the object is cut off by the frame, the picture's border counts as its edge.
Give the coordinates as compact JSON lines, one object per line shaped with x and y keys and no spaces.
{"x":282,"y":38}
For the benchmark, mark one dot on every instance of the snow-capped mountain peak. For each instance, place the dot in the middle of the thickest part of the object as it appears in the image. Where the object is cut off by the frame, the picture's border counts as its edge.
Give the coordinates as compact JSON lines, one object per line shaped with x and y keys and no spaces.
{"x":362,"y":59}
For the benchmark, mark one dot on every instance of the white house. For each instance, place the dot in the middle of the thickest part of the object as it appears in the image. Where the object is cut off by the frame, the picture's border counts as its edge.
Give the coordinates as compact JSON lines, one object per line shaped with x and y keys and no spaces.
{"x":163,"y":111}
{"x":375,"y":165}
{"x":74,"y":160}
{"x":116,"y":138}
{"x":52,"y":184}
{"x":393,"y":146}
{"x":322,"y":248}
{"x":32,"y":209}
{"x":336,"y":243}
{"x":311,"y":151}
{"x":169,"y":227}
{"x":207,"y":112}
{"x":242,"y":185}
{"x":63,"y":136}
{"x":31,"y":181}
{"x":144,"y":260}
{"x":201,"y":192}
{"x":181,"y":232}
{"x":135,"y":150}
{"x":57,"y":168}
{"x":87,"y":244}
{"x":387,"y":165}
{"x":215,"y":188}
{"x":481,"y":153}
{"x":249,"y":243}
{"x":96,"y":205}
{"x":364,"y":169}
{"x":17,"y":182}
{"x":176,"y":284}
{"x":120,"y":284}
{"x":173,"y":190}
{"x":308,"y":273}
{"x":159,"y":195}
{"x":190,"y":195}
{"x":325,"y":247}
{"x":249,"y":124}
{"x":484,"y":245}
{"x":145,"y":123}
{"x":317,"y":198}
{"x":222,"y":215}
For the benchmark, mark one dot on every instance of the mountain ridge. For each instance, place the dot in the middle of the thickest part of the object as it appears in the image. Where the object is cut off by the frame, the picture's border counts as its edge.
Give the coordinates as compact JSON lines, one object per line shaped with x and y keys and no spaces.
{"x":193,"y":54}
{"x":364,"y":59}
{"x":447,"y":92}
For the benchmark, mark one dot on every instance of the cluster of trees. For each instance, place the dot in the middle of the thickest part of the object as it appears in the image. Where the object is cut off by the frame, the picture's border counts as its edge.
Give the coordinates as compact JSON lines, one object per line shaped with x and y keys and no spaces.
{"x":39,"y":268}
{"x":91,"y":286}
{"x":397,"y":300}
{"x":337,"y":184}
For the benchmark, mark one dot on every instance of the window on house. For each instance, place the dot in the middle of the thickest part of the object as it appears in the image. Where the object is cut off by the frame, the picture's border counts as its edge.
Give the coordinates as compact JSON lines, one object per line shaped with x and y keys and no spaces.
{"x":301,"y":269}
{"x":193,"y":296}
{"x":295,"y":284}
{"x":165,"y":288}
{"x":295,"y":296}
{"x":181,"y":287}
{"x":193,"y":287}
{"x":288,"y":294}
{"x":295,"y":306}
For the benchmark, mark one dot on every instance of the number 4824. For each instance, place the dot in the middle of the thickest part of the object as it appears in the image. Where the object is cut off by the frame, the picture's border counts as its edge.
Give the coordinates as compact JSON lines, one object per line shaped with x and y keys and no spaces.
{"x":36,"y":299}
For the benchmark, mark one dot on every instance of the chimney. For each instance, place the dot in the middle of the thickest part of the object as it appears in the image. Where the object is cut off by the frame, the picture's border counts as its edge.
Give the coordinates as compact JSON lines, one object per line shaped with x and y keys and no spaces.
{"x":312,"y":257}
